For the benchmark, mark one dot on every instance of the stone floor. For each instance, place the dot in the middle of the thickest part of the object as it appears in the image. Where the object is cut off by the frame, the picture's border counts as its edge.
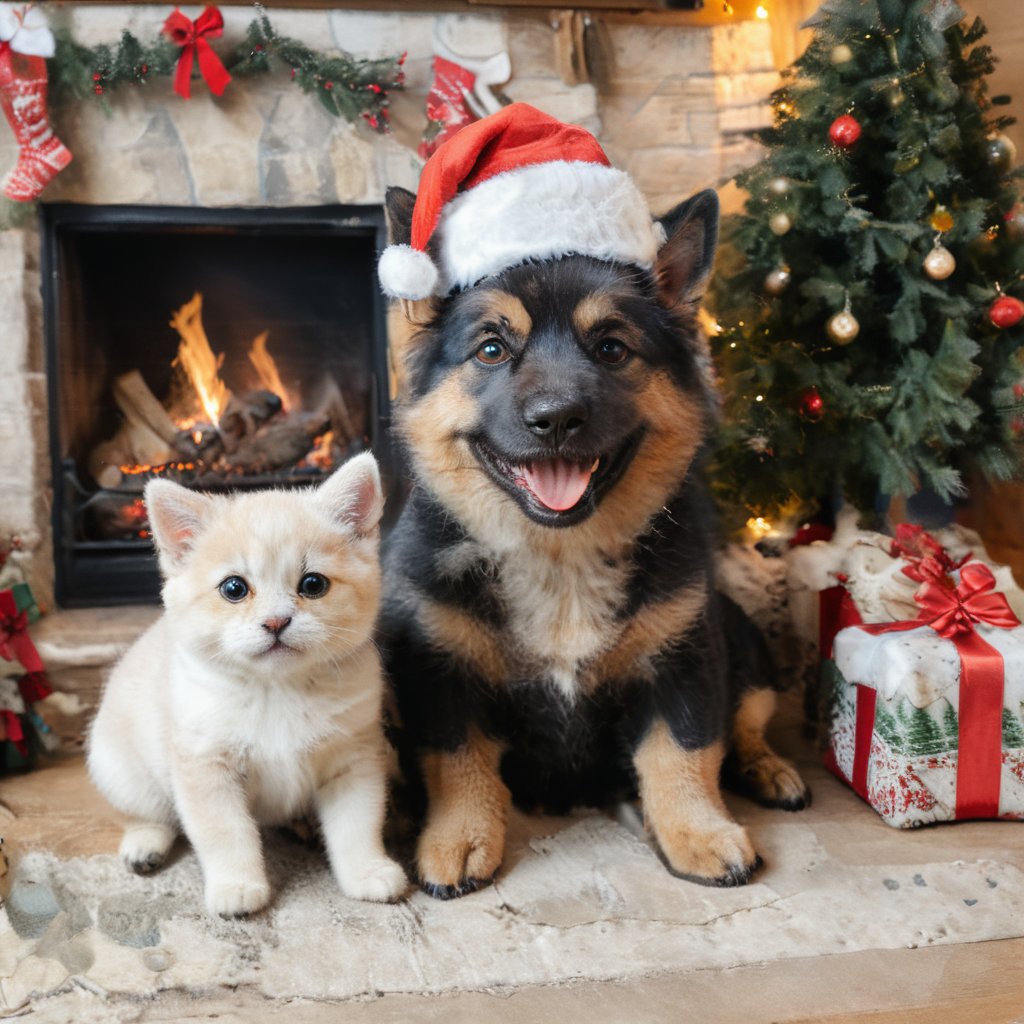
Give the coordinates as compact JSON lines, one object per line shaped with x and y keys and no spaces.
{"x":55,"y":809}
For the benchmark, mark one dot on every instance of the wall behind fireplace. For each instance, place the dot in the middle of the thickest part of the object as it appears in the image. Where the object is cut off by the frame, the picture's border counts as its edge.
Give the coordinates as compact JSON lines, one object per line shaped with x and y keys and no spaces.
{"x":670,"y":103}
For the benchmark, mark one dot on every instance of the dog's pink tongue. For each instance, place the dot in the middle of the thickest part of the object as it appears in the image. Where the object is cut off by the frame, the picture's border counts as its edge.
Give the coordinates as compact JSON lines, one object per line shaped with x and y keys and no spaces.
{"x":556,"y":483}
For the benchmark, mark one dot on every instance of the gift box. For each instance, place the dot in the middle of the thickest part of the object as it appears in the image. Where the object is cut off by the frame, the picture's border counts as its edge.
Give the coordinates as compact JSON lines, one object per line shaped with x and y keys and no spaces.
{"x":927,"y":714}
{"x":23,"y":685}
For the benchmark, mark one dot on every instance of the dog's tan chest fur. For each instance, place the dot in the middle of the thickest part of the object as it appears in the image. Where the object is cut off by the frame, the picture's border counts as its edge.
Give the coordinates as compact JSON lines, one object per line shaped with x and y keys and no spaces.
{"x":563,"y":612}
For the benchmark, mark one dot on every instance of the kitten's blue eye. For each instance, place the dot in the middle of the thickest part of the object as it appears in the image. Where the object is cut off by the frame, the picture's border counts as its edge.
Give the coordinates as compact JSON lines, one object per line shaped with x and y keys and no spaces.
{"x":234,"y":589}
{"x":313,"y":584}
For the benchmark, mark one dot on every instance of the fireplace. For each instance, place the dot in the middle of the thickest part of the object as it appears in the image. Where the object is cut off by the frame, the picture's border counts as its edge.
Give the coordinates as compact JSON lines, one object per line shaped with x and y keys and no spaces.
{"x":222,"y":349}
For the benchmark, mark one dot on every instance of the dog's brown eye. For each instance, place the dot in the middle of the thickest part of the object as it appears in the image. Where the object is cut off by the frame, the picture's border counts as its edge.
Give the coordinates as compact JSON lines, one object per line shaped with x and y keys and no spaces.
{"x":612,"y":351}
{"x":492,"y":352}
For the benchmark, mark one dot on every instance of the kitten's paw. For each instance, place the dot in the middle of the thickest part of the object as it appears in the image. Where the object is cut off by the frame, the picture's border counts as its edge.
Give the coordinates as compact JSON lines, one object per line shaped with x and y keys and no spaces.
{"x":237,"y":898}
{"x":382,"y":882}
{"x":145,"y":845}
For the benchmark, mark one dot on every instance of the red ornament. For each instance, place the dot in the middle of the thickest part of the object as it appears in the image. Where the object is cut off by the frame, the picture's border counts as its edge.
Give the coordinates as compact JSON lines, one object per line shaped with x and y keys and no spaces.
{"x":812,"y":405}
{"x":328,"y":85}
{"x":1006,"y":311}
{"x":1018,"y":391}
{"x":844,"y":131}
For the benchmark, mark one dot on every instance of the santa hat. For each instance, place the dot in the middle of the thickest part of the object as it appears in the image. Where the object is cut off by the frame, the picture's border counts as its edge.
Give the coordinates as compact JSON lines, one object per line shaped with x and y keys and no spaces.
{"x":516,"y":186}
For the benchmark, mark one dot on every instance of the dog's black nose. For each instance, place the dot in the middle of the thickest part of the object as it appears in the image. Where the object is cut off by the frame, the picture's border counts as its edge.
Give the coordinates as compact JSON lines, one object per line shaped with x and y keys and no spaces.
{"x":555,"y":417}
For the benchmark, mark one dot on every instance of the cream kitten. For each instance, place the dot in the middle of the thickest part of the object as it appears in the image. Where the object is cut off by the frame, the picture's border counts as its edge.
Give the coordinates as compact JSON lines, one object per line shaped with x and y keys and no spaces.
{"x":257,"y":694}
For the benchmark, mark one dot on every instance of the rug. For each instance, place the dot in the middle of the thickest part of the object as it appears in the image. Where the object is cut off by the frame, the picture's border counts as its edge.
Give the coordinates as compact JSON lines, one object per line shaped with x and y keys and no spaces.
{"x":583,"y":897}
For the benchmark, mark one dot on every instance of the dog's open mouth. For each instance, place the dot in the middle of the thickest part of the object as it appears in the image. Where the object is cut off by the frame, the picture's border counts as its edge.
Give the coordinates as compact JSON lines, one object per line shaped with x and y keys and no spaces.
{"x":557,"y":491}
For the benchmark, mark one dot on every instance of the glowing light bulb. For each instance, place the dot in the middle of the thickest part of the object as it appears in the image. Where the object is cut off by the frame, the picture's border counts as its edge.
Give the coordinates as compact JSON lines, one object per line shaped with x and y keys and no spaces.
{"x":761,"y":12}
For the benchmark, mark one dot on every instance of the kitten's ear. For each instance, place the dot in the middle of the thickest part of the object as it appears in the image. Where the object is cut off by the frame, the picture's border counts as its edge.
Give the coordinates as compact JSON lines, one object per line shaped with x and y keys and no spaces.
{"x":176,"y":517}
{"x":684,"y":261}
{"x":353,"y":494}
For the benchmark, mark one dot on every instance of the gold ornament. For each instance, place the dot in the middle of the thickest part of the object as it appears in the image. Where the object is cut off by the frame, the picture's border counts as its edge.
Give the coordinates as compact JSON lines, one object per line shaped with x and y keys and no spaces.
{"x":777,"y":281}
{"x":939,"y":263}
{"x":779,"y":186}
{"x":941,"y":219}
{"x":841,"y":54}
{"x":843,"y":327}
{"x":780,"y":224}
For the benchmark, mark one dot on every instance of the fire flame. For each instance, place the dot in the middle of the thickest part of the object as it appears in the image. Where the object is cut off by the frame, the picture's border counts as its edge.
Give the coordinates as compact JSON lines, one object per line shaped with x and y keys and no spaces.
{"x":196,"y":358}
{"x":267,"y":369}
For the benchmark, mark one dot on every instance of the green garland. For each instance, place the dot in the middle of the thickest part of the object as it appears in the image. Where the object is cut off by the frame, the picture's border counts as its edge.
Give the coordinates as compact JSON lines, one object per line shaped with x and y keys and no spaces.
{"x":346,"y":86}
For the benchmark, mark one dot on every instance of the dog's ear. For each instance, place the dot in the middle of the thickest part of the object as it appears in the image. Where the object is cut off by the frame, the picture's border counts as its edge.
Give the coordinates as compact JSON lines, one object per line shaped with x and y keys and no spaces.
{"x":398,"y":207}
{"x":684,"y":261}
{"x":398,"y":204}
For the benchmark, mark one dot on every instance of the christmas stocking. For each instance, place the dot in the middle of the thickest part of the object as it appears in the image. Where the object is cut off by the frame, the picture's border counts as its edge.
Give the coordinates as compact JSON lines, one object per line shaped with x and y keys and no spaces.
{"x":469,"y":57}
{"x":23,"y":100}
{"x":25,"y":40}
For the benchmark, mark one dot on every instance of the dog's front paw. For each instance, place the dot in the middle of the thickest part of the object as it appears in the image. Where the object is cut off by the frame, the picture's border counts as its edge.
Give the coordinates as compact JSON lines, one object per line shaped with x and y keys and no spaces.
{"x":382,"y":881}
{"x":774,"y":782}
{"x":145,"y":845}
{"x":454,"y":861}
{"x":720,"y":856}
{"x":237,"y":897}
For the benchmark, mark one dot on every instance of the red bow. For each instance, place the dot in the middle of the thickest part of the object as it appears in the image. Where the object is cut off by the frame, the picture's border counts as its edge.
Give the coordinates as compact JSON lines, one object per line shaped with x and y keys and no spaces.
{"x":928,"y":559}
{"x":12,"y":627}
{"x":951,"y":611}
{"x":191,"y":37}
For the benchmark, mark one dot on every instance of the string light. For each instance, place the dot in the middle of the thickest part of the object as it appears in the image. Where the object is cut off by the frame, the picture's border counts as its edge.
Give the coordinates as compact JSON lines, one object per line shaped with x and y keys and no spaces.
{"x":758,"y":527}
{"x":761,"y":12}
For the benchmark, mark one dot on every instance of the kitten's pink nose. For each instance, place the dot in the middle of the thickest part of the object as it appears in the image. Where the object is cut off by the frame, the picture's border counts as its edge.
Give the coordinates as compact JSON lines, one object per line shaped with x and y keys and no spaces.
{"x":276,"y":626}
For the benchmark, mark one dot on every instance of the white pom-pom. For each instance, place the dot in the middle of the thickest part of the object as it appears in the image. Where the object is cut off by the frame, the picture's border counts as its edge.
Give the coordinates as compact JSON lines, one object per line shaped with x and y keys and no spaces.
{"x":406,"y":273}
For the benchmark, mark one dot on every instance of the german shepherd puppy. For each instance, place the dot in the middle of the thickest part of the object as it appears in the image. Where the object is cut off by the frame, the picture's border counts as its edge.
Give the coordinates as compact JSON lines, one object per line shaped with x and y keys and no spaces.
{"x":551,"y":626}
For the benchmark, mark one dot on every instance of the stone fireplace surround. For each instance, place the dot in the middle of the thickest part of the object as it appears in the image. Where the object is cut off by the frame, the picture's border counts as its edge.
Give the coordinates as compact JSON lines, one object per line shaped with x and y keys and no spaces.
{"x":671,"y":104}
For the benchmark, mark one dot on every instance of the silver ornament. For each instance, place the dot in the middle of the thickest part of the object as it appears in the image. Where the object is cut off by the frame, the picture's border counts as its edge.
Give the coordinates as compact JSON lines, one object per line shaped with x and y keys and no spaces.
{"x":939,"y":263}
{"x":1000,"y":152}
{"x":779,"y":186}
{"x":777,"y":281}
{"x":843,"y":327}
{"x":780,"y":224}
{"x":841,"y":54}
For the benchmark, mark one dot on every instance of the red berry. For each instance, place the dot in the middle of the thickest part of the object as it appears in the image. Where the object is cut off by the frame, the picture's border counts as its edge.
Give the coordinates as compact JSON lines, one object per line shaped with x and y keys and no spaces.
{"x":845,"y":131}
{"x":96,"y":76}
{"x":1006,"y":311}
{"x":98,"y":89}
{"x":295,"y":71}
{"x":812,"y":405}
{"x":328,"y":85}
{"x":1018,"y":391}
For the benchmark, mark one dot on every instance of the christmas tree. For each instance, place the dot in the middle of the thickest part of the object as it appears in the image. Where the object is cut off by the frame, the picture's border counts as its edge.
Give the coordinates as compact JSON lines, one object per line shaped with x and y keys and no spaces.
{"x":867,"y":302}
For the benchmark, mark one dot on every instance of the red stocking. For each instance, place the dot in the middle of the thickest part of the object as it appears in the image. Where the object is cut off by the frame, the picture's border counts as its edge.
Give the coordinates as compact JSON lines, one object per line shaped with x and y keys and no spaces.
{"x":23,"y":100}
{"x":447,"y":107}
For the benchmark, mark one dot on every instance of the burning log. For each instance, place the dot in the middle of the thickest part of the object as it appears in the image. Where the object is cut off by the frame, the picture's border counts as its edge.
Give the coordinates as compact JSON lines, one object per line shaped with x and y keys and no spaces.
{"x":244,"y":416}
{"x":147,"y":436}
{"x":279,"y":443}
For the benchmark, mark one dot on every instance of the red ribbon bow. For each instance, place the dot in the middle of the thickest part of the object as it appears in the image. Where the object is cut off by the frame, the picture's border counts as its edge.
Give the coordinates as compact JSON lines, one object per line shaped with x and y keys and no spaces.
{"x":12,"y":627}
{"x":192,"y":38}
{"x":928,"y":559}
{"x":952,"y":611}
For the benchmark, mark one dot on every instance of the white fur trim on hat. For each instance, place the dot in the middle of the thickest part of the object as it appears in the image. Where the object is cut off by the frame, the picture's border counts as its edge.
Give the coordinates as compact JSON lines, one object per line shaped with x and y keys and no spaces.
{"x":406,"y":273}
{"x":542,"y":211}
